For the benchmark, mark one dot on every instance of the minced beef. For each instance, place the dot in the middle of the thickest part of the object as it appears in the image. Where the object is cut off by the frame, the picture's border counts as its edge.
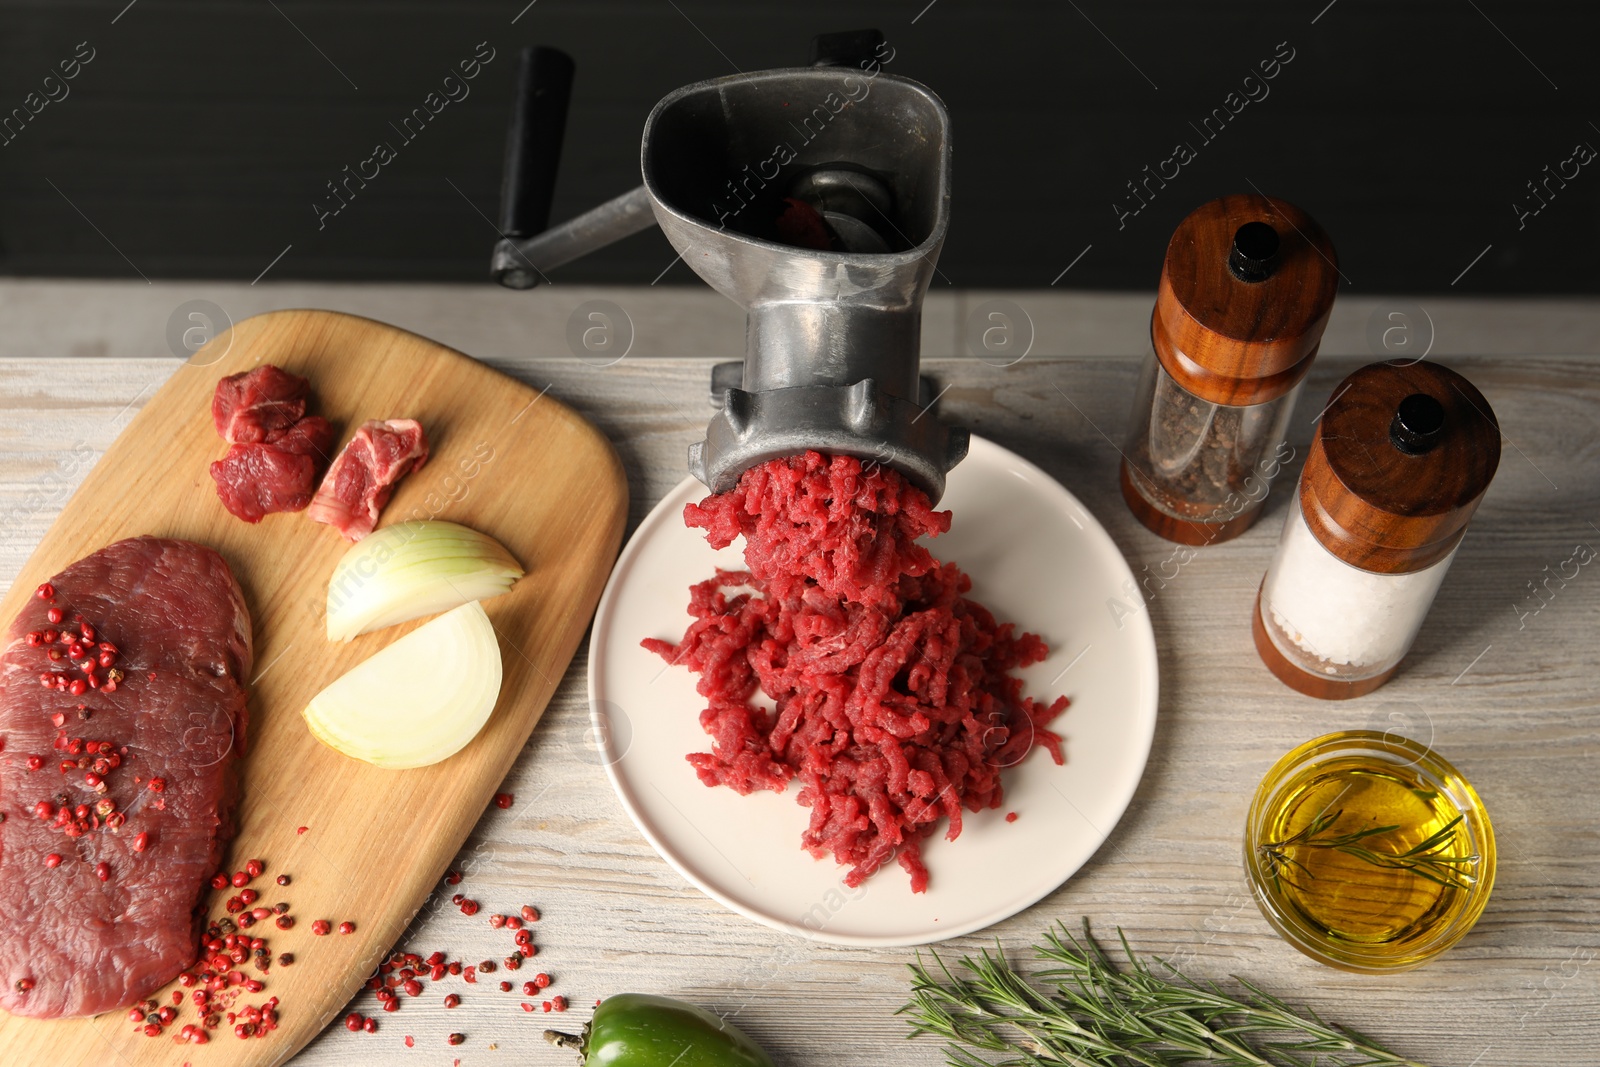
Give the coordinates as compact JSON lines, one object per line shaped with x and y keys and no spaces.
{"x":895,"y":705}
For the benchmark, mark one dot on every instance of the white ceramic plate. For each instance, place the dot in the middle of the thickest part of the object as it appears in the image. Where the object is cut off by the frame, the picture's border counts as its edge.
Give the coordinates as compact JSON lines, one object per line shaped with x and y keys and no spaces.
{"x":1037,"y":558}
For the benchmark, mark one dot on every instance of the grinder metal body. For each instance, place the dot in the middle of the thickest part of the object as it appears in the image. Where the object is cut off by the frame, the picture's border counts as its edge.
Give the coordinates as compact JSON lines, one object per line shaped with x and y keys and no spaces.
{"x":817,"y":198}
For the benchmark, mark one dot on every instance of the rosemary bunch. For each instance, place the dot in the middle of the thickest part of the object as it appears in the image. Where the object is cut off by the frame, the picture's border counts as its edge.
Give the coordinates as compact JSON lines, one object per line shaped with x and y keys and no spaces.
{"x":1083,"y":1009}
{"x":1434,"y":858}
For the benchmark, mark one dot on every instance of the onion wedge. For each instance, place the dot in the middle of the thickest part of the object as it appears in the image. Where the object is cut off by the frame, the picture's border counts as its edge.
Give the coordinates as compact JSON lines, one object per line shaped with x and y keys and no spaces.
{"x":410,"y":569}
{"x":419,"y":699}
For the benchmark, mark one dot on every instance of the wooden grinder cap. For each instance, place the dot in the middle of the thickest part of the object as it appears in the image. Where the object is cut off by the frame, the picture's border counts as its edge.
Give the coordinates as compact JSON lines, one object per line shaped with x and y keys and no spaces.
{"x":1397,"y":466}
{"x":1245,"y":293}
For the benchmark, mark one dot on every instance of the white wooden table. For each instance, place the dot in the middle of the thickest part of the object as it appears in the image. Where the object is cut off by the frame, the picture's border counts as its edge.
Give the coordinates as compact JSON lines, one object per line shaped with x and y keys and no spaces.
{"x":1508,"y":694}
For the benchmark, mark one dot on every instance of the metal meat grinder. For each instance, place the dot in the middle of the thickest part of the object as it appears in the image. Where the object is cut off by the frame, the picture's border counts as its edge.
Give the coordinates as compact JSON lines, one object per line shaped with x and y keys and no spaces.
{"x":817,"y":198}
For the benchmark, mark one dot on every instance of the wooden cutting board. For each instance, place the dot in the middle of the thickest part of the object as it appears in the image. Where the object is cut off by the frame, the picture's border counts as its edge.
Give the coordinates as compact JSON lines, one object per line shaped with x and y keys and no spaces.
{"x":507,"y":460}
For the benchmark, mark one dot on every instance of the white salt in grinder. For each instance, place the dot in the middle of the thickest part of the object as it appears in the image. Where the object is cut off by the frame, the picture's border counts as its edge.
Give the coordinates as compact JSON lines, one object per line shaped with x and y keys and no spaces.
{"x":815,"y":197}
{"x":1397,"y":466}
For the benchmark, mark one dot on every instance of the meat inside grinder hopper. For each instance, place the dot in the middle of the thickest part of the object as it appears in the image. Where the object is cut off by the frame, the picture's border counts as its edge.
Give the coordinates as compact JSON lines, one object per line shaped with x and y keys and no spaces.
{"x":817,"y":199}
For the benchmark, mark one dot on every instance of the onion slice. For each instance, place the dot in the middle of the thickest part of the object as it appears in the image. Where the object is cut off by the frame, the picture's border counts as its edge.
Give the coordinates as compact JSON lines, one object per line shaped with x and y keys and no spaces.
{"x":419,"y":699}
{"x":410,"y":569}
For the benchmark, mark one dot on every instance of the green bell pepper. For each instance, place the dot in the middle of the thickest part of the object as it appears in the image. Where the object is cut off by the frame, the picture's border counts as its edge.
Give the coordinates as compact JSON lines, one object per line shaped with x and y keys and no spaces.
{"x":640,"y":1030}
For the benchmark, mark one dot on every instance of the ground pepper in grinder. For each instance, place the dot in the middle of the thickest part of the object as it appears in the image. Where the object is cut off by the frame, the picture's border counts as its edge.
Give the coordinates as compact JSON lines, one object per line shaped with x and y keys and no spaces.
{"x":1245,"y":293}
{"x":1398,"y":463}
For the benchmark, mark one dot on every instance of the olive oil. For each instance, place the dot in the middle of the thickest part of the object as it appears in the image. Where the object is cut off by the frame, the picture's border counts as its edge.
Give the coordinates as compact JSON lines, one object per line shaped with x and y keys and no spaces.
{"x":1367,"y":857}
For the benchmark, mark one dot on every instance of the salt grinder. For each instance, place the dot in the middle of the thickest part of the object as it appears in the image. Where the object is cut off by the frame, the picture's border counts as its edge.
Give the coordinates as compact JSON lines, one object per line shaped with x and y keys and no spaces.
{"x":1397,"y":465}
{"x":1245,"y":293}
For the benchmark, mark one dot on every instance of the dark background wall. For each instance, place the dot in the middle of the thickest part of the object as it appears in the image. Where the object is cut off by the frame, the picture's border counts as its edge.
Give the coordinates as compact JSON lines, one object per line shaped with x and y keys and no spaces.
{"x":199,"y":136}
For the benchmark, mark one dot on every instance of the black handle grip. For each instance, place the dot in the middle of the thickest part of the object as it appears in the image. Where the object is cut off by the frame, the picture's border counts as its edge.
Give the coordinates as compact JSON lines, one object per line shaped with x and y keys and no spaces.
{"x":533,"y":140}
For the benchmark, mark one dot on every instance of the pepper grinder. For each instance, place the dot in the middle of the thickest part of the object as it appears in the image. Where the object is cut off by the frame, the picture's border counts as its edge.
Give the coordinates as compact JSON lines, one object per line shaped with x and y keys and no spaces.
{"x":1245,"y":292}
{"x":1398,"y":464}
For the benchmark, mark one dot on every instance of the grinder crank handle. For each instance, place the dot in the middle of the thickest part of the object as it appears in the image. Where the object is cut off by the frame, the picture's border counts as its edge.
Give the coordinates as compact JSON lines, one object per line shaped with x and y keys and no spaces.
{"x":543,"y":92}
{"x":526,"y":248}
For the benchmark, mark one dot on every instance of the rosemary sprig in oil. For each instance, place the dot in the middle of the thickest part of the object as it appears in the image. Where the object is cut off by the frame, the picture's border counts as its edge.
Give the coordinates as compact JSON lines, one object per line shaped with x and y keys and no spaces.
{"x":1095,"y":1012}
{"x":1433,"y":858}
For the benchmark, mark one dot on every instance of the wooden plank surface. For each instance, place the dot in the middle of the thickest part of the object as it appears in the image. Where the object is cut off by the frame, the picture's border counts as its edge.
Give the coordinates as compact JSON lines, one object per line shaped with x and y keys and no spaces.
{"x":507,"y":460}
{"x":50,"y":317}
{"x":1510,"y":698}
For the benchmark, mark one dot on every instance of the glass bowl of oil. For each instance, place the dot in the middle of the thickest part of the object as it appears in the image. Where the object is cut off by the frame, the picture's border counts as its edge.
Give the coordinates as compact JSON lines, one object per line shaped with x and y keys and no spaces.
{"x":1368,"y":851}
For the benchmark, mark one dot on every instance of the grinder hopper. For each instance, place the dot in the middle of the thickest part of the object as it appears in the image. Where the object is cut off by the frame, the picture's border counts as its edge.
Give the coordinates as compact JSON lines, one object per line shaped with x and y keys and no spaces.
{"x":817,"y":199}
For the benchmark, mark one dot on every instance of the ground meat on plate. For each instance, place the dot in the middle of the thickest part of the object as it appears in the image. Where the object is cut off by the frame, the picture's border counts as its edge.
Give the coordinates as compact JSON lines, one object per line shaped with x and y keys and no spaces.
{"x":895,"y":702}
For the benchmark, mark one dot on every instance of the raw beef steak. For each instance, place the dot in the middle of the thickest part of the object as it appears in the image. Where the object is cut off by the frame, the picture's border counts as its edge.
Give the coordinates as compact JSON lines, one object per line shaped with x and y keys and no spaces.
{"x":248,"y":406}
{"x":362,"y":477}
{"x":278,"y":474}
{"x":105,"y":851}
